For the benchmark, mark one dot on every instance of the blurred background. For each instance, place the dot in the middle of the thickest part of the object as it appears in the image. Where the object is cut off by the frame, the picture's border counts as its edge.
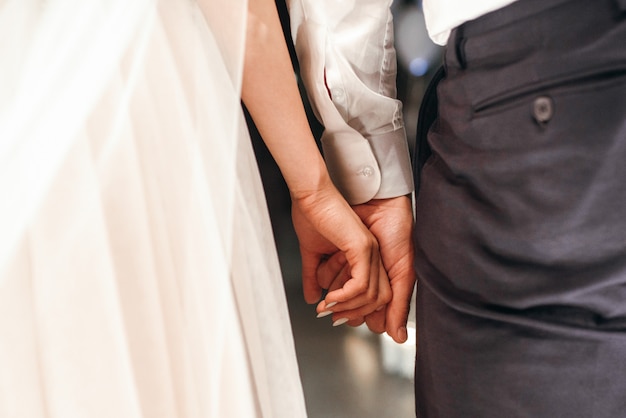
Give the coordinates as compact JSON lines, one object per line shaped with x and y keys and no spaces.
{"x":350,"y":372}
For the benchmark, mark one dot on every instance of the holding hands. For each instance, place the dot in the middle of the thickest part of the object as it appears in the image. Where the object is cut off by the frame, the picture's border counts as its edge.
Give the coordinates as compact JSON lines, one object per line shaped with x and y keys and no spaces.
{"x":362,"y":256}
{"x":327,"y":227}
{"x":337,"y":260}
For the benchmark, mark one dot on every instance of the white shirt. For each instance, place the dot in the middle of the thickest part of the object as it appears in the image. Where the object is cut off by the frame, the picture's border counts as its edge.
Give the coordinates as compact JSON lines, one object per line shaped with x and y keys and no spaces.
{"x":442,"y":16}
{"x":348,"y":66}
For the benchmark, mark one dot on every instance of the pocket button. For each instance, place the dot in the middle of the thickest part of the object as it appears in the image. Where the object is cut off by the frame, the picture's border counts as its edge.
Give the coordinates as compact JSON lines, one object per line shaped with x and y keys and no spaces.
{"x":543,"y":109}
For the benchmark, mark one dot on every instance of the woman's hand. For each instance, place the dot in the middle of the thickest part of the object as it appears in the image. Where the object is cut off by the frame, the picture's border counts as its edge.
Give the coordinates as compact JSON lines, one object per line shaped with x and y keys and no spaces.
{"x":391,"y":222}
{"x":325,"y":225}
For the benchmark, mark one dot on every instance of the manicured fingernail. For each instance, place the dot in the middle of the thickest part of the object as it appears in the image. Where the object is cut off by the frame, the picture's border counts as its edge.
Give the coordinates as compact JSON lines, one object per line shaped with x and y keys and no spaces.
{"x":402,"y":334}
{"x":331,"y":304}
{"x":323,"y":314}
{"x":340,"y":321}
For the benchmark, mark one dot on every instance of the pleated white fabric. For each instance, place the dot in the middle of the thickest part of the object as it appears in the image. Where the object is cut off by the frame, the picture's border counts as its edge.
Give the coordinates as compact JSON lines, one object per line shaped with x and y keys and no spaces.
{"x":138,"y":276}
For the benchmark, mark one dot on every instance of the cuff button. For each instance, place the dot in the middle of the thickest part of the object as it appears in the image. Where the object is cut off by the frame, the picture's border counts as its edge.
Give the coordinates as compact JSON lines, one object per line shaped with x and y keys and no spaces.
{"x":366,"y":171}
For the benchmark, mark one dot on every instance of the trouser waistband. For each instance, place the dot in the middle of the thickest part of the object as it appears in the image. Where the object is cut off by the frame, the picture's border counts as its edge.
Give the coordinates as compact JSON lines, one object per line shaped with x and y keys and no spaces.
{"x":510,"y":22}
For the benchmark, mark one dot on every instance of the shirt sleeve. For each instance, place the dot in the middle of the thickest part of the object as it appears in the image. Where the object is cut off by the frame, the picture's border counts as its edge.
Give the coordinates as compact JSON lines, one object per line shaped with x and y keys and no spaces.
{"x":348,"y":67}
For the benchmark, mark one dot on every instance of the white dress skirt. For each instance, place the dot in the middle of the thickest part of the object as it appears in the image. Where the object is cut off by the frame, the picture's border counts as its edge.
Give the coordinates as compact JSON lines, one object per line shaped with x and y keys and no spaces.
{"x":138,"y":273}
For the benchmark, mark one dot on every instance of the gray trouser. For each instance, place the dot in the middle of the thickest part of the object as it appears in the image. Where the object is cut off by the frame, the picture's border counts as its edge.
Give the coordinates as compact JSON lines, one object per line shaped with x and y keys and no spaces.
{"x":521,"y":217}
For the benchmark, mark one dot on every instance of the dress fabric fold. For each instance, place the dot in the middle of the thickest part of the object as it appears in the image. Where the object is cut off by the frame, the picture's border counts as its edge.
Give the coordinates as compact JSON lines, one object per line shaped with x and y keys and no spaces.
{"x":138,"y":273}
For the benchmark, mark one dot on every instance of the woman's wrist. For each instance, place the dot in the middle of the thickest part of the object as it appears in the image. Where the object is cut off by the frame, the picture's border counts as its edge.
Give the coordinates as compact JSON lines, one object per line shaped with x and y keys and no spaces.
{"x":315,"y":182}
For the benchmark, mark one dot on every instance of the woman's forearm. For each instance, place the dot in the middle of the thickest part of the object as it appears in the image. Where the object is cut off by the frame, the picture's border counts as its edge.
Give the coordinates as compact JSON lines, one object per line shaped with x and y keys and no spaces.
{"x":271,"y":95}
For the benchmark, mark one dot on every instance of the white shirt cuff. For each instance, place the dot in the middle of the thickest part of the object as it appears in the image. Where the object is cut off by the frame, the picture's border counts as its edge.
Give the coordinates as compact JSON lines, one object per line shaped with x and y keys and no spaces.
{"x":366,"y":168}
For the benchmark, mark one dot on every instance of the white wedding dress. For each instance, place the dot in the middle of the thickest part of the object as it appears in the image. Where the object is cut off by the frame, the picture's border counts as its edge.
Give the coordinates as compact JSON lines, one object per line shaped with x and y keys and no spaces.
{"x":138,"y":276}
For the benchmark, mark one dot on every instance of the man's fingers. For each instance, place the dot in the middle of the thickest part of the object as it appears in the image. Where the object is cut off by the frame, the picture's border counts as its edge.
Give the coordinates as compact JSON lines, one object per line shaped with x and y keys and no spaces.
{"x":376,"y":321}
{"x":356,"y":322}
{"x":311,"y":289}
{"x":331,"y":270}
{"x":398,"y":309}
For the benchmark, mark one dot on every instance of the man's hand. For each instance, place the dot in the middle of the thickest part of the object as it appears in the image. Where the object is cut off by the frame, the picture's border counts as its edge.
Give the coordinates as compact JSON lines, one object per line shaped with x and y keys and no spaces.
{"x":391,"y":222}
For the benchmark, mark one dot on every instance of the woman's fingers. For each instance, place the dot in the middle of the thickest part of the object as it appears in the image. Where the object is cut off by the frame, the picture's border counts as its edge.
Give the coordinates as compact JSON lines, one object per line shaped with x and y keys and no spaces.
{"x":357,"y":282}
{"x":326,"y":224}
{"x":361,"y":305}
{"x":363,"y":285}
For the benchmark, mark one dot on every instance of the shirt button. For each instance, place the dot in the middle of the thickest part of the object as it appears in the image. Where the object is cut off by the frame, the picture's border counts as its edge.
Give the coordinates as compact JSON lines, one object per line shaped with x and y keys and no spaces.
{"x":337,"y":94}
{"x":543,"y":109}
{"x":366,"y":171}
